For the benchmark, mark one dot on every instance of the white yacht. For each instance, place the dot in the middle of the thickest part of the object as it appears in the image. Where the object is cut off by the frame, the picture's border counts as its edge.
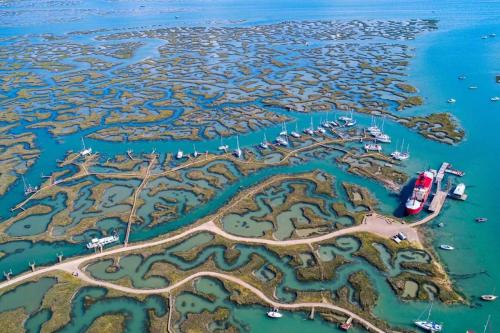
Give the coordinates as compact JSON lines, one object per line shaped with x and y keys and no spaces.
{"x":446,"y":247}
{"x":452,"y":101}
{"x":180,"y":154}
{"x":384,"y":138}
{"x":222,"y":146}
{"x":195,"y":152}
{"x":274,"y":313}
{"x":381,"y":136}
{"x":282,"y":140}
{"x":28,"y":189}
{"x":85,"y":151}
{"x":310,"y":130}
{"x":350,"y":121}
{"x":237,"y":152}
{"x":321,"y":130}
{"x":264,"y":144}
{"x":374,"y":129}
{"x":295,"y":133}
{"x":495,"y":99}
{"x":283,"y":129}
{"x":427,"y":324}
{"x":98,"y":242}
{"x":401,"y":155}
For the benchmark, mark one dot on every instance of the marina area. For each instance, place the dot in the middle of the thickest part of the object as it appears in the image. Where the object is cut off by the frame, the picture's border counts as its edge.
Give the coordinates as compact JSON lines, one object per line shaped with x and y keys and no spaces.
{"x":249,"y":167}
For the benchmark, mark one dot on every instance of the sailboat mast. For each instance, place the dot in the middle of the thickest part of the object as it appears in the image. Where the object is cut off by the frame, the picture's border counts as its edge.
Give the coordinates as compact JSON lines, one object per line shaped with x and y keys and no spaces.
{"x":83,"y":144}
{"x":487,"y":324}
{"x":24,"y":184}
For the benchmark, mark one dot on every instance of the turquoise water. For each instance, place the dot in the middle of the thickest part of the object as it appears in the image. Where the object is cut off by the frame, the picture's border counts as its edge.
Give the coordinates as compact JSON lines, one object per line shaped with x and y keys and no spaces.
{"x":455,"y":49}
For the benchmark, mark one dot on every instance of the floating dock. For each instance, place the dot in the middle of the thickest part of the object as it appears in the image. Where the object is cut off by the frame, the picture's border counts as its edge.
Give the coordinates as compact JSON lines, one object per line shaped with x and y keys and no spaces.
{"x":437,"y":201}
{"x":441,"y":172}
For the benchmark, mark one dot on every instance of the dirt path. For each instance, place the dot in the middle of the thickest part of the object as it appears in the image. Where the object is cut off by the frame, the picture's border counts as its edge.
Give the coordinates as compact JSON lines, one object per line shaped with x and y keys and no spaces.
{"x":221,"y":276}
{"x":375,"y":223}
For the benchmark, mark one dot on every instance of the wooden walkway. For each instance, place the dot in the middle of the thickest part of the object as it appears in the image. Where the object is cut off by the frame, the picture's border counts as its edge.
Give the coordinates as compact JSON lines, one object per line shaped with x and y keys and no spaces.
{"x":438,"y":201}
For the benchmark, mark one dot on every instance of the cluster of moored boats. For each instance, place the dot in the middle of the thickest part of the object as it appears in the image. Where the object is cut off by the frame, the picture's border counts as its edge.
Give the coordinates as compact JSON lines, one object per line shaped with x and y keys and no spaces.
{"x":426,"y":324}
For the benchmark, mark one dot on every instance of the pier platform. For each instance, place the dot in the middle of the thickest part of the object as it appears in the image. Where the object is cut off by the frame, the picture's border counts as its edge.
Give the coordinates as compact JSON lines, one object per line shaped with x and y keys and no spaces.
{"x":438,"y":201}
{"x":441,"y":172}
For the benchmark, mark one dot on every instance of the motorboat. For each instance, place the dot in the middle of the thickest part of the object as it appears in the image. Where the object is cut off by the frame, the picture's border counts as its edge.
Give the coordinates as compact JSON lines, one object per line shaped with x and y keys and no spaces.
{"x":180,"y":154}
{"x":489,"y":298}
{"x":274,"y":313}
{"x":451,"y":100}
{"x":446,"y":247}
{"x":347,"y":325}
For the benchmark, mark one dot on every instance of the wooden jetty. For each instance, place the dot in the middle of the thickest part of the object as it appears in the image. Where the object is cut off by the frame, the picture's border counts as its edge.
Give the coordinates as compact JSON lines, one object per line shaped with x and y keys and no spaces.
{"x":441,"y":172}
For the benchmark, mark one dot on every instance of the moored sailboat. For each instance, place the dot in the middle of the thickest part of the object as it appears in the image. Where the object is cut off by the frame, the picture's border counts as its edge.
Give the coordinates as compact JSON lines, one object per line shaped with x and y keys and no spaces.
{"x":428,"y":324}
{"x":237,"y":152}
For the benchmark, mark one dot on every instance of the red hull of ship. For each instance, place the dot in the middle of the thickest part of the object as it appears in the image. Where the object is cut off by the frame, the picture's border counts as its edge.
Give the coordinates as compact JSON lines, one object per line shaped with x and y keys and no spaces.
{"x":410,"y":211}
{"x":424,"y":182}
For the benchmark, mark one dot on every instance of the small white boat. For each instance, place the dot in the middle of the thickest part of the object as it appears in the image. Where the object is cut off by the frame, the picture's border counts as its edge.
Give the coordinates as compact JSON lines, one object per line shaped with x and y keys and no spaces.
{"x":180,"y":154}
{"x":452,"y":101}
{"x":495,"y":99}
{"x":274,"y":313}
{"x":472,"y":87}
{"x":462,"y":77}
{"x":481,"y":219}
{"x":321,"y":130}
{"x":489,"y":298}
{"x":446,"y":247}
{"x":493,"y":35}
